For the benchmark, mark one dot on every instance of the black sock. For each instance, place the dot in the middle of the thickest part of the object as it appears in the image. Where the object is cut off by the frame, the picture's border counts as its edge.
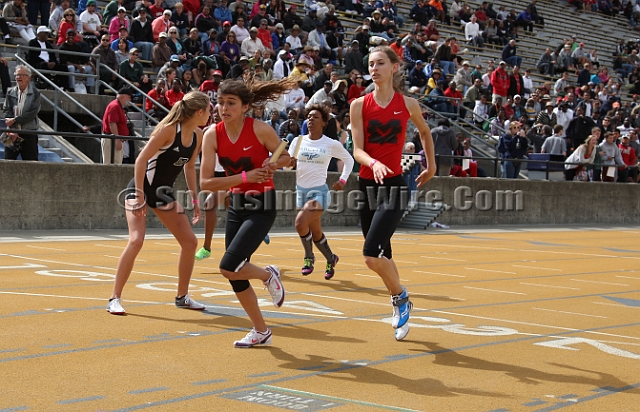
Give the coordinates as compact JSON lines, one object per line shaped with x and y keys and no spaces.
{"x":178,"y":298}
{"x":323,"y":246}
{"x":307,"y":245}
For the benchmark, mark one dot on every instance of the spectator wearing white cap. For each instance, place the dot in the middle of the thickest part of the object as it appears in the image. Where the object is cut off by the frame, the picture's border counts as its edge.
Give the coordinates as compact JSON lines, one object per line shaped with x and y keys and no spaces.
{"x":251,"y":44}
{"x":161,"y":24}
{"x":463,"y":77}
{"x":120,"y":20}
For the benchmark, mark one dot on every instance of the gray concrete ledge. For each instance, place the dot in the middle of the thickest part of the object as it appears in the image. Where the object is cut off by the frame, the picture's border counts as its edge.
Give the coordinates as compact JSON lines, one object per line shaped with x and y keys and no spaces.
{"x":50,"y":196}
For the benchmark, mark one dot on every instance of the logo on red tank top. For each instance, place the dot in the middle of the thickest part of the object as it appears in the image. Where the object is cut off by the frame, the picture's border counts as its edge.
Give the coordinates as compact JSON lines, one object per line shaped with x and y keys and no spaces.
{"x":384,"y":133}
{"x":236,"y":167}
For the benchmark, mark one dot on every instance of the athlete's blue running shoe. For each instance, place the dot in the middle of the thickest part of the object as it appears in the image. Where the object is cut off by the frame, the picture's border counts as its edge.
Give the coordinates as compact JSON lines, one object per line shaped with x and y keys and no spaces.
{"x":267,"y":239}
{"x":401,"y":309}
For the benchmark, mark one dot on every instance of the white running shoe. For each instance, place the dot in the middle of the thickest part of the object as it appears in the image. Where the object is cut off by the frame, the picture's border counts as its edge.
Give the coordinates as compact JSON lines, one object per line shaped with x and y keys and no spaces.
{"x":254,"y":338}
{"x":115,"y":308}
{"x":186,"y":302}
{"x":402,"y":332}
{"x":274,"y":286}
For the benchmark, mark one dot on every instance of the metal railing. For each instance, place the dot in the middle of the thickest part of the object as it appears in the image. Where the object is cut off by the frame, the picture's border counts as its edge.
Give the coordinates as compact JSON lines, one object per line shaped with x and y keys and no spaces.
{"x":56,"y":99}
{"x":547,"y":163}
{"x":96,"y":76}
{"x":145,"y":96}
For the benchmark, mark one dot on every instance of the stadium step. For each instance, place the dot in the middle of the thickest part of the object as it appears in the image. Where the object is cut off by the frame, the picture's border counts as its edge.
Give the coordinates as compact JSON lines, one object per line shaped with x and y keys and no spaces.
{"x":419,"y":215}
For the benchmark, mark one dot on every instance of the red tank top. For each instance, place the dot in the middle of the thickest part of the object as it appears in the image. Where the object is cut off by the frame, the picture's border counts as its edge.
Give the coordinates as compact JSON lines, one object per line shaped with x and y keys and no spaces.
{"x":384,"y":132}
{"x":244,"y":155}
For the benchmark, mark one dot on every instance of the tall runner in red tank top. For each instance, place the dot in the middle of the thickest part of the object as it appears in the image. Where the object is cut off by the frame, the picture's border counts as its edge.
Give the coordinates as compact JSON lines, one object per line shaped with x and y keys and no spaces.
{"x":243,"y":145}
{"x":386,"y":128}
{"x":378,"y":126}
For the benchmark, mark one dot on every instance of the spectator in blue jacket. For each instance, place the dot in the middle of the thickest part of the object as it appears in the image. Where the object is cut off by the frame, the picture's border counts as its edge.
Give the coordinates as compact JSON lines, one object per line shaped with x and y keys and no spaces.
{"x":509,"y":54}
{"x":417,"y":76}
{"x":512,"y":147}
{"x":222,"y":13}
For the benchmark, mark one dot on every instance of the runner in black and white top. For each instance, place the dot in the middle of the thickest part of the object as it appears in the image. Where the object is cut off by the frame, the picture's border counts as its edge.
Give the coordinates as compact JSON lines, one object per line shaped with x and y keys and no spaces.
{"x":311,"y":155}
{"x":173,"y":147}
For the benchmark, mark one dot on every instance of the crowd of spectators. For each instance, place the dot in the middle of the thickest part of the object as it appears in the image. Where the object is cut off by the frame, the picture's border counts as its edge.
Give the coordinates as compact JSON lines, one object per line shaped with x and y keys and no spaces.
{"x":194,"y":45}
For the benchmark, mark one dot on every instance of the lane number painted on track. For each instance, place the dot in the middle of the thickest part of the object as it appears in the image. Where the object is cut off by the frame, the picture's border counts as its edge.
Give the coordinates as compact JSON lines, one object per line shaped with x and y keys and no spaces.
{"x":79,"y":274}
{"x":563,"y":343}
{"x":559,"y":343}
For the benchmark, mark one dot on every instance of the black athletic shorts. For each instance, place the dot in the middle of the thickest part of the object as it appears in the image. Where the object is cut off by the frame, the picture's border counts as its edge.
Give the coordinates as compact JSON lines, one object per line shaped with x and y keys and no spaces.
{"x":383,"y":209}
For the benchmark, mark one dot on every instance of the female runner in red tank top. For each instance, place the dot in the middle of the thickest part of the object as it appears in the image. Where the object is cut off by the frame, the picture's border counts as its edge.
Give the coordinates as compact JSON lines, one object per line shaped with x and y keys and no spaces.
{"x":378,"y":125}
{"x":243,"y":145}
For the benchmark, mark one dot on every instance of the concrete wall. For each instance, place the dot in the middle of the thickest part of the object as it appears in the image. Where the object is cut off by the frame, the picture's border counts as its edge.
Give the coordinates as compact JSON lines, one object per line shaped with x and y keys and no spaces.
{"x":75,"y":196}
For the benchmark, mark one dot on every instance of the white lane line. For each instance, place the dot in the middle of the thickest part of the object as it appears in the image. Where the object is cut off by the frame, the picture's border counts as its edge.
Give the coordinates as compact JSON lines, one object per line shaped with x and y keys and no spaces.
{"x":111,"y":246}
{"x":440,"y":274}
{"x":46,"y":248}
{"x":112,"y":269}
{"x":404,"y":261}
{"x":436,"y":296}
{"x":44,"y":295}
{"x":441,"y":258}
{"x":628,"y":277}
{"x":493,"y":270}
{"x":166,"y":244}
{"x":349,"y":249}
{"x":377,"y":277}
{"x":538,"y":268}
{"x":571,"y":313}
{"x":260,"y":254}
{"x":24,"y":266}
{"x":346,"y":300}
{"x":495,"y":290}
{"x":351,"y":264}
{"x":367,"y":276}
{"x":548,"y":286}
{"x":535,"y":324}
{"x":465,"y":246}
{"x":600,"y":283}
{"x":579,"y":254}
{"x":293,"y":250}
{"x":118,"y":257}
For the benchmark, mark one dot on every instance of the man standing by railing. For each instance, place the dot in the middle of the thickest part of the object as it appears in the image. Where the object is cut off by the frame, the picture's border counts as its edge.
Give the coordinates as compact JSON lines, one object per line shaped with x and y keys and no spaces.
{"x":108,"y":58}
{"x":21,"y":108}
{"x":114,"y":122}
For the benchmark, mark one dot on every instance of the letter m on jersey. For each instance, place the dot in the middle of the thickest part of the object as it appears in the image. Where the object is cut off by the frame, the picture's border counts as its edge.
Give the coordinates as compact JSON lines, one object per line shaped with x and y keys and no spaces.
{"x":383,"y":133}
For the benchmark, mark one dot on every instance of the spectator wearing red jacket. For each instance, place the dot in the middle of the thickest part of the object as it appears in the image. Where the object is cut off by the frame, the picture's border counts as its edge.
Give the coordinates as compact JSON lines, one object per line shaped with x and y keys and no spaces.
{"x":175,"y":94}
{"x":500,"y":82}
{"x":628,"y":153}
{"x":454,"y":93}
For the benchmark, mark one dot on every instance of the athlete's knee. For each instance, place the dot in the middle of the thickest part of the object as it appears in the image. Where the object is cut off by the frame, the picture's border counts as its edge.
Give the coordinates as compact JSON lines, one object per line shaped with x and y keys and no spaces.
{"x":239,"y":286}
{"x":189,"y":242}
{"x":372,"y":262}
{"x":135,"y":241}
{"x":230,"y":265}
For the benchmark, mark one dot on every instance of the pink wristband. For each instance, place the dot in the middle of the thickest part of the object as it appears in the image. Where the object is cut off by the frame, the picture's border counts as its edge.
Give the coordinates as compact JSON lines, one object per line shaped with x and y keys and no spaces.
{"x":195,"y":201}
{"x":344,"y":182}
{"x":244,"y":177}
{"x":374,"y":161}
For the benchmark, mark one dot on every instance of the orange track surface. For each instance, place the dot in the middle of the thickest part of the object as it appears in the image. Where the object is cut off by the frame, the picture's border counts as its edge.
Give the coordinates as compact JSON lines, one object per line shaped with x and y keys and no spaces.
{"x":522,"y":320}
